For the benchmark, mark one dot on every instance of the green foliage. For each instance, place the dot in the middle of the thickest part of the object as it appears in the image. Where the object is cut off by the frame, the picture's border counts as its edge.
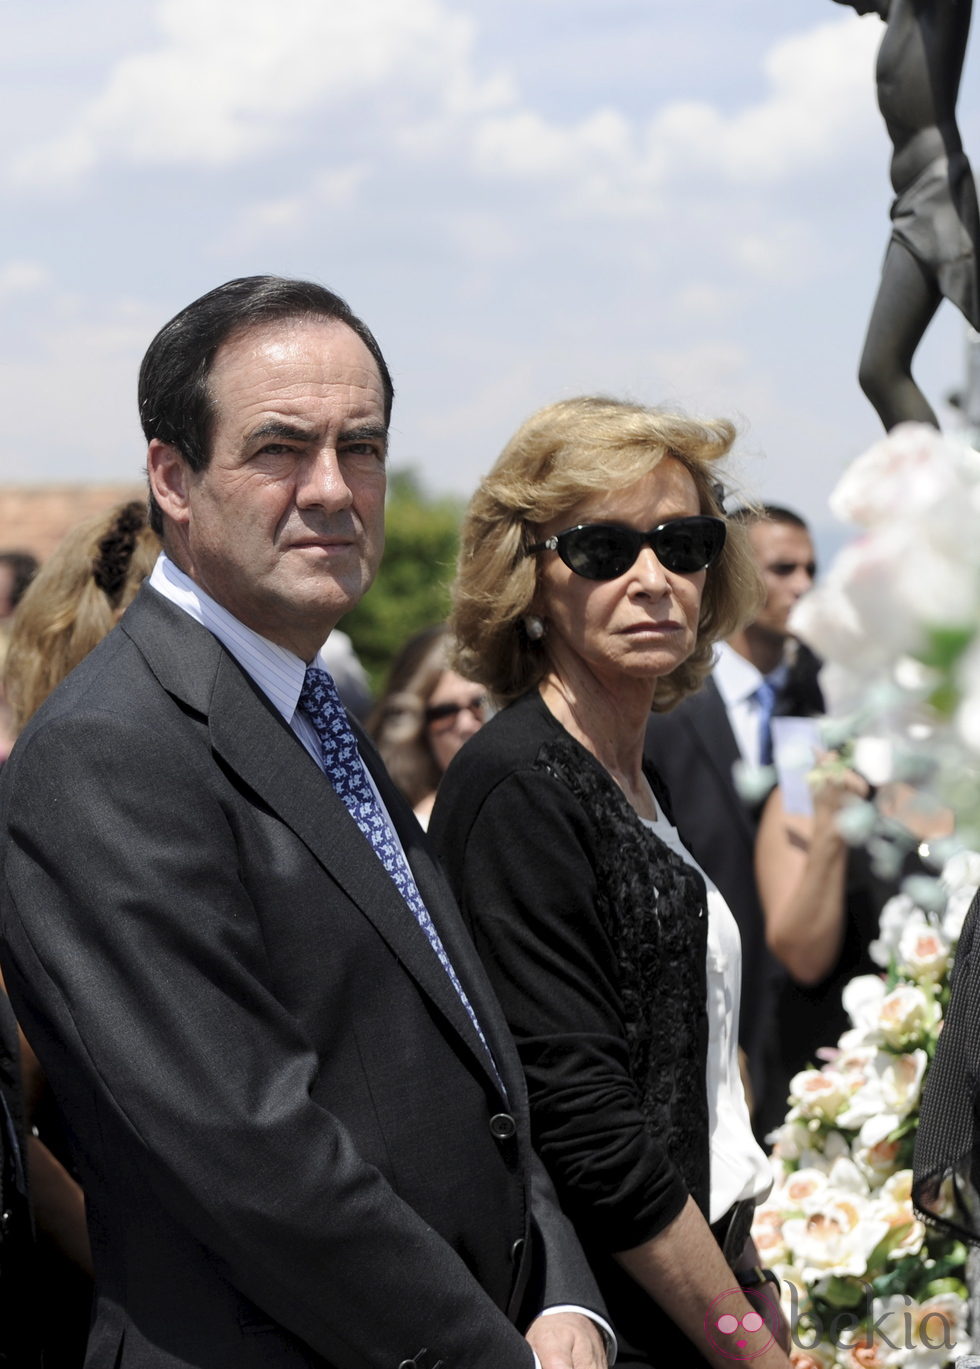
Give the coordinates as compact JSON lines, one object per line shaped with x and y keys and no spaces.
{"x":412,"y":588}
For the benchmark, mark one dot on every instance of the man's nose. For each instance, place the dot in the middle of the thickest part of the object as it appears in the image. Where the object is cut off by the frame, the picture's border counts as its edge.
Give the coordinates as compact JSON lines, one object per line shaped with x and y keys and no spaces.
{"x":801,"y":582}
{"x":320,"y":482}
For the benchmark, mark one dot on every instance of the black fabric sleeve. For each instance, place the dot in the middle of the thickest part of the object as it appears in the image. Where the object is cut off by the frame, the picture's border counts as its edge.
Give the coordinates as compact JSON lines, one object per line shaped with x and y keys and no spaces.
{"x":525,"y":877}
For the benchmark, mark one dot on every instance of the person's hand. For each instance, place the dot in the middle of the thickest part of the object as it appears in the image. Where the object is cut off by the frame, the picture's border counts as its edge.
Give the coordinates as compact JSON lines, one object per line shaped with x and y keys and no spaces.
{"x":833,"y":785}
{"x":567,"y":1340}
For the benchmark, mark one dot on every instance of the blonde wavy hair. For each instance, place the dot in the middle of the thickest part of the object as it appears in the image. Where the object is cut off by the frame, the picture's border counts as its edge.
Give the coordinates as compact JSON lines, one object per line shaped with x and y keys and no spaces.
{"x":561,"y":455}
{"x":73,"y":601}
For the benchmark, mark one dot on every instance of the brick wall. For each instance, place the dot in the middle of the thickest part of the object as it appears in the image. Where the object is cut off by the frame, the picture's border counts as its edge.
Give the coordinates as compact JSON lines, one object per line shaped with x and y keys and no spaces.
{"x":35,"y":517}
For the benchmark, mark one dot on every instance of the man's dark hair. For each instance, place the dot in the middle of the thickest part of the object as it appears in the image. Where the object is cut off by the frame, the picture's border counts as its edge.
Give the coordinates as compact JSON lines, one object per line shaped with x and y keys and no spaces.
{"x":23,"y":566}
{"x":174,"y":395}
{"x":767,"y":513}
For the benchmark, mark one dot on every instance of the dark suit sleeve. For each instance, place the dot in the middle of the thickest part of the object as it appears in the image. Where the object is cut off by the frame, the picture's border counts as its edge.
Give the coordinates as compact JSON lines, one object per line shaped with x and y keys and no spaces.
{"x":525,"y":878}
{"x":126,"y":915}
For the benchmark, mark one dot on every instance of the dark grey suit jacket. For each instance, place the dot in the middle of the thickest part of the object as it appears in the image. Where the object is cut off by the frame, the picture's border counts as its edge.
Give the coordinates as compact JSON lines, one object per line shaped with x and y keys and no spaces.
{"x":294,"y":1149}
{"x":693,"y":748}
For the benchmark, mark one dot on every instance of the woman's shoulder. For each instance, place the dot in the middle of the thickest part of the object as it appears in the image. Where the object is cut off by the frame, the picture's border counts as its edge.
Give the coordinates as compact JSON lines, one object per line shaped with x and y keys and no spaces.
{"x":511,"y":740}
{"x":505,"y":765}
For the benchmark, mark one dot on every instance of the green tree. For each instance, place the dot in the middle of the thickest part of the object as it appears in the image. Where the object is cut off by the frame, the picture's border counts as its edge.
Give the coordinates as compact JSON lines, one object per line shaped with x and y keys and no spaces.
{"x":412,"y":588}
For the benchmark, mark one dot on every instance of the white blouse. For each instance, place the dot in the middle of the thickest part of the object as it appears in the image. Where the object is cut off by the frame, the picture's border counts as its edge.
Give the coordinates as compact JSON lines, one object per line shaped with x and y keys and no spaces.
{"x":739,"y":1166}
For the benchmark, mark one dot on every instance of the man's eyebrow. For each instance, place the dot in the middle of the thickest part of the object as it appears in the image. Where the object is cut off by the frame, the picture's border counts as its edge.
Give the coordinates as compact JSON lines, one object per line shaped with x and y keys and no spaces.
{"x":278,"y":428}
{"x":367,"y":432}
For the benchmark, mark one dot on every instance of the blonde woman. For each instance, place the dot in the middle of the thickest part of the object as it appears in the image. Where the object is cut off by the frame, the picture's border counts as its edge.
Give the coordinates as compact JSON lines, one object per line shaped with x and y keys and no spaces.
{"x":596,"y":571}
{"x":73,"y":601}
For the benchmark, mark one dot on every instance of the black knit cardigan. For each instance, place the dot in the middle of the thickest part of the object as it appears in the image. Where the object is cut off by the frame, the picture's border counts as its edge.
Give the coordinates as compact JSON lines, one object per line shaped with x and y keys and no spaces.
{"x":595,"y":936}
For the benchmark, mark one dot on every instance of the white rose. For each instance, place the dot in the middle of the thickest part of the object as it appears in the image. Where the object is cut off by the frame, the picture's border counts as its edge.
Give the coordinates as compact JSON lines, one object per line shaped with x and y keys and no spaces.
{"x":854,"y":616}
{"x":845,"y":1177}
{"x":862,"y":998}
{"x":789,"y":1141}
{"x":819,"y":1356}
{"x":935,"y":584}
{"x":818,"y":1093}
{"x":828,"y":621}
{"x":957,"y":907}
{"x":891,"y":923}
{"x":901,"y":1081}
{"x":923,"y":952}
{"x":878,"y":1161}
{"x":912,"y":469}
{"x":800,"y":1187}
{"x":767,"y":1232}
{"x":907,"y":1014}
{"x":891,"y":1092}
{"x":893,"y":1204}
{"x":930,"y":1334}
{"x":962,"y":871}
{"x":835,"y":1237}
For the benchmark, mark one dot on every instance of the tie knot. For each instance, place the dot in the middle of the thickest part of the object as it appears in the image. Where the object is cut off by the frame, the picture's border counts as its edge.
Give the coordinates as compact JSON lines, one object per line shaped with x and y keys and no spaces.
{"x":765,"y":693}
{"x":322,"y":705}
{"x":319,"y":693}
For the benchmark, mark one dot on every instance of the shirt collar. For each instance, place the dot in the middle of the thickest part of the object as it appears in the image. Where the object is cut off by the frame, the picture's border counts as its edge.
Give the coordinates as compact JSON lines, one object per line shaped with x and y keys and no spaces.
{"x":737,"y":679}
{"x":277,"y":672}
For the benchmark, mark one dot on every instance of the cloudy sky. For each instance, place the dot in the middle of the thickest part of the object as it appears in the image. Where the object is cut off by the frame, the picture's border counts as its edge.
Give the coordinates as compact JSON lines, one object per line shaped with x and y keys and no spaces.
{"x":680,"y":201}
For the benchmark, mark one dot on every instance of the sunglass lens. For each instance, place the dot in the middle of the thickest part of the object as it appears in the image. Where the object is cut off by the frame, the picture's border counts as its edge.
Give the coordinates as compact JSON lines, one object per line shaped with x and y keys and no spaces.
{"x":689,"y":544}
{"x":598,"y":552}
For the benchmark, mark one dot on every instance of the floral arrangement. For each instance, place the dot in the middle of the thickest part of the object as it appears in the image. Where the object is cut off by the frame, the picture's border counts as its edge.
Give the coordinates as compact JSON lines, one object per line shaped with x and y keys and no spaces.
{"x":897,"y":622}
{"x":897,"y":619}
{"x":864,"y":1283}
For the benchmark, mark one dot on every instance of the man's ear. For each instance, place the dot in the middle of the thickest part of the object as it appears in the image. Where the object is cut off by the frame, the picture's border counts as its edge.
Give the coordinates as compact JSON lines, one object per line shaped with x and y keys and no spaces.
{"x":169,"y":477}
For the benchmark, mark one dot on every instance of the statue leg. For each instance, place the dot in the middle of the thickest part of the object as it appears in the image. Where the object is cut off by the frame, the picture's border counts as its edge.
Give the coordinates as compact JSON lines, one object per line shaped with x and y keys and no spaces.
{"x":906,"y":303}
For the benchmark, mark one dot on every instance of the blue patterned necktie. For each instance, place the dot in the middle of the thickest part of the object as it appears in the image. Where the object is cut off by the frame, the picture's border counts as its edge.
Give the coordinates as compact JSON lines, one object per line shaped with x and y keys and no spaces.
{"x":765,"y":697}
{"x":343,"y":767}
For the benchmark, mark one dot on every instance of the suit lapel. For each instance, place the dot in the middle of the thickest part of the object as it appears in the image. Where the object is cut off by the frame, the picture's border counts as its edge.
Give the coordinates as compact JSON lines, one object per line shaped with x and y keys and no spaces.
{"x":706,"y":718}
{"x":251,"y":739}
{"x":438,"y":898}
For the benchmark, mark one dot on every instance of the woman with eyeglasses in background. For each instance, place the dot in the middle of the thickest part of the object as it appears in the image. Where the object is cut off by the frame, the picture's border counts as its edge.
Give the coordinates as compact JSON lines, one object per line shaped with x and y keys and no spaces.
{"x":596,"y":571}
{"x":424,"y":716}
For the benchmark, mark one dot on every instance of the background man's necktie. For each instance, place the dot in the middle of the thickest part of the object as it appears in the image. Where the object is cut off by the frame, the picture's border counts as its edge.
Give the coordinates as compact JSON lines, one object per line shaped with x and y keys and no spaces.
{"x":343,"y":767}
{"x":765,"y":696}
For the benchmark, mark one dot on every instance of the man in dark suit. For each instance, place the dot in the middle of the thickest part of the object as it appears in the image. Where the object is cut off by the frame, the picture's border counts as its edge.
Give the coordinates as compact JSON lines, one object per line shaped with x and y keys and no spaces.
{"x":696,"y":746}
{"x":301,"y":1123}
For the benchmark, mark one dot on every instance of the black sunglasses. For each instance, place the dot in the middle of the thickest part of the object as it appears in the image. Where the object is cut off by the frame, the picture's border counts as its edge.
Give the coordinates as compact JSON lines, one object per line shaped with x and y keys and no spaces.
{"x":437,"y":713}
{"x":604,"y":551}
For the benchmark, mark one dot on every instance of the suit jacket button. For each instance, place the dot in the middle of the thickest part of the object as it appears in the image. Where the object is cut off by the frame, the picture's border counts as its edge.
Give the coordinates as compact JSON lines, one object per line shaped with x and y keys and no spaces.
{"x":517,"y":1250}
{"x":503,"y":1126}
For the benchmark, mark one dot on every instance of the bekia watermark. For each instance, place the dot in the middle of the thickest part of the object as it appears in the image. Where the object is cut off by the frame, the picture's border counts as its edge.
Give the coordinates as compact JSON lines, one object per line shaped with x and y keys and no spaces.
{"x":734,"y":1333}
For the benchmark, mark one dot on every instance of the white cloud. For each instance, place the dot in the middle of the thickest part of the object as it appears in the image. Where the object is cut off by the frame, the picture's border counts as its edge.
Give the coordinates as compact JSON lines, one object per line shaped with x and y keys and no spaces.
{"x":230,"y":78}
{"x":775,"y":251}
{"x":22,"y":277}
{"x":337,"y":190}
{"x":819,"y":100}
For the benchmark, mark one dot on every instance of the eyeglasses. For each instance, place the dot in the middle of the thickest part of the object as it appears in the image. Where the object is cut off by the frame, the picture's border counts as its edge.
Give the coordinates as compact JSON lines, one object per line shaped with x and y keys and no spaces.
{"x":604,"y":551}
{"x":448,"y":713}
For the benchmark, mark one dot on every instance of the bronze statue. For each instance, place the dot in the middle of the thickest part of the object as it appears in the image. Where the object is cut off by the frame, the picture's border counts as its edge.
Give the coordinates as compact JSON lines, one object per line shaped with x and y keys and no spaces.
{"x":935,"y":240}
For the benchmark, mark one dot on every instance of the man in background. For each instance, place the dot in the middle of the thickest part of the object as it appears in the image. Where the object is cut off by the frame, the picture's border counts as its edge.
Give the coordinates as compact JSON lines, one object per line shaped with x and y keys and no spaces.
{"x":758,"y":672}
